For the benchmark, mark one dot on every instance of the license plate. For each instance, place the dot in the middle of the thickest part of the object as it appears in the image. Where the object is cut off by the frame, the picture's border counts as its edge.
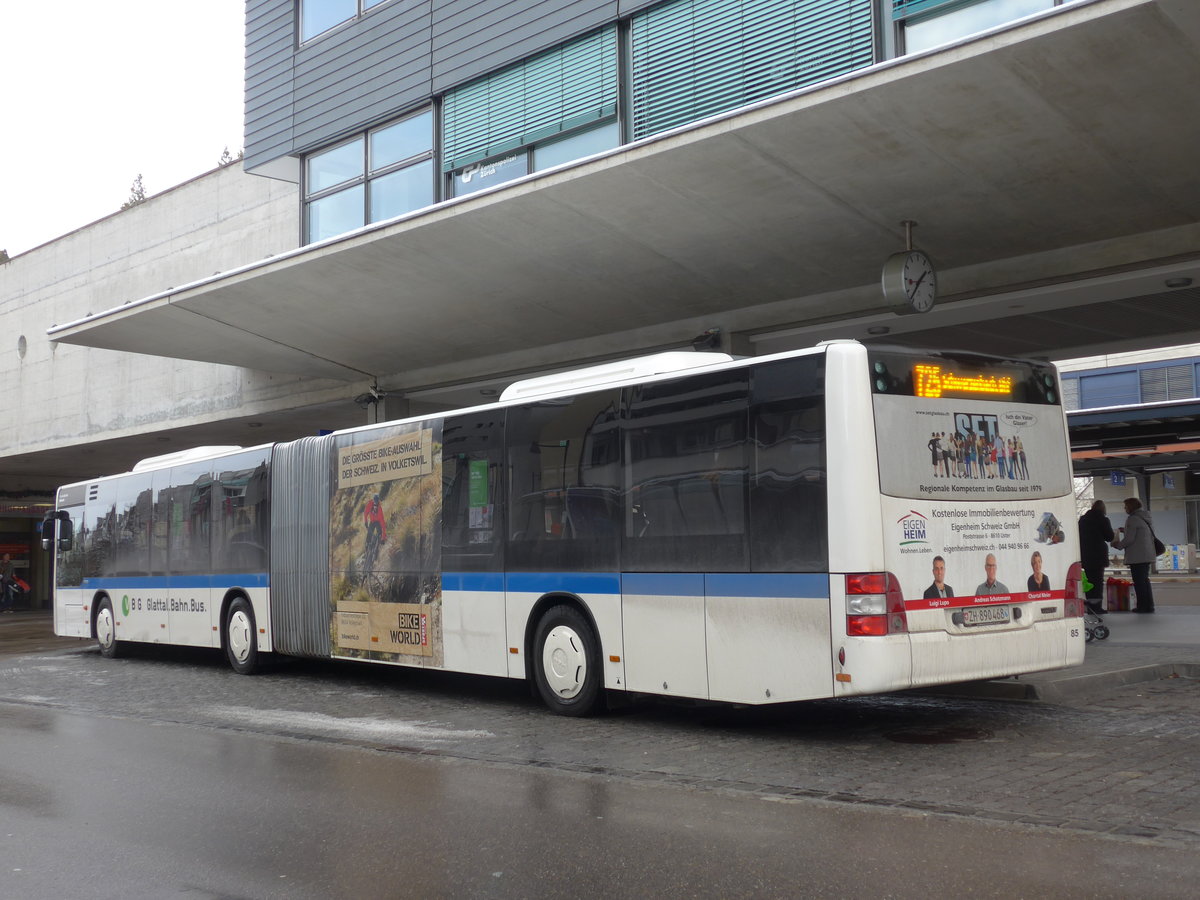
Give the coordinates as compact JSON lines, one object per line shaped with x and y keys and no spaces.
{"x":987,"y":615}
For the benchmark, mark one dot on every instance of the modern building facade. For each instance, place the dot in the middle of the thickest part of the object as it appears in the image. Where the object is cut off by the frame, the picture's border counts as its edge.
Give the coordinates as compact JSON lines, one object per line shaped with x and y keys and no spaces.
{"x":381,"y":108}
{"x":440,"y":196}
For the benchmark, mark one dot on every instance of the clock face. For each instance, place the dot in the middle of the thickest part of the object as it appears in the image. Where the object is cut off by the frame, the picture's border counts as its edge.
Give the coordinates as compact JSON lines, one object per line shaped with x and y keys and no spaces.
{"x":920,"y":281}
{"x":909,"y":282}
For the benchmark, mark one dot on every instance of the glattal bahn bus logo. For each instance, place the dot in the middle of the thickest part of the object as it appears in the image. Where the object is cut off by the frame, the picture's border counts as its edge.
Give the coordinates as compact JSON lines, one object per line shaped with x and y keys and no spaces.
{"x":912,"y":528}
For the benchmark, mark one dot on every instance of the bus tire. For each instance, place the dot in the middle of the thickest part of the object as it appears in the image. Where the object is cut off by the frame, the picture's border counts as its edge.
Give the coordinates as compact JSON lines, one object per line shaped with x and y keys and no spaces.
{"x":241,"y":637}
{"x":106,"y":629}
{"x":566,"y":662}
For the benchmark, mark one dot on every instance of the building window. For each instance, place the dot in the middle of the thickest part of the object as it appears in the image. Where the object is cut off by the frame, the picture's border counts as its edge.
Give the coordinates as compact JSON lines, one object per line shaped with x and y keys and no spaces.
{"x":486,"y":174}
{"x":535,"y":158}
{"x":930,"y":23}
{"x":1162,"y":383}
{"x":697,"y":58}
{"x":569,"y":93}
{"x":318,"y":16}
{"x":576,"y":146}
{"x":1109,"y":389}
{"x":383,"y":173}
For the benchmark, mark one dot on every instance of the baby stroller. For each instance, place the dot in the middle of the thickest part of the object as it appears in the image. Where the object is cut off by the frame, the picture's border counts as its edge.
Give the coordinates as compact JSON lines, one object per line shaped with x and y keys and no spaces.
{"x":1093,"y":627}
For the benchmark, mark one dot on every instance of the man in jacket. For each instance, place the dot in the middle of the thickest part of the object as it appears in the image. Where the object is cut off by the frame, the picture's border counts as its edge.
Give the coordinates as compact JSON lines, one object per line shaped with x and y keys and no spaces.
{"x":939,"y":588}
{"x":1095,"y":534}
{"x":1137,"y":540}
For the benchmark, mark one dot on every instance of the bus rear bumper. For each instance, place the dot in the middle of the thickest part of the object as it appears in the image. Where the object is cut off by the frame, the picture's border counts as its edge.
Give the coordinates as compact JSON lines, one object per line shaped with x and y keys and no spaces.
{"x":940,"y":658}
{"x":925,"y":659}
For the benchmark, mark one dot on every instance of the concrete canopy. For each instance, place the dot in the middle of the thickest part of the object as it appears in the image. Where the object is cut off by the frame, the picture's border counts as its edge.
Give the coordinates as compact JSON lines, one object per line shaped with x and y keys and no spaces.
{"x":1051,"y":166}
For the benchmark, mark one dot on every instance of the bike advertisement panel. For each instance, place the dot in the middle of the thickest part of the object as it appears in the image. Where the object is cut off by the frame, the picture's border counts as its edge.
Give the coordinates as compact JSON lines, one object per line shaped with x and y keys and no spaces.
{"x":385,"y":525}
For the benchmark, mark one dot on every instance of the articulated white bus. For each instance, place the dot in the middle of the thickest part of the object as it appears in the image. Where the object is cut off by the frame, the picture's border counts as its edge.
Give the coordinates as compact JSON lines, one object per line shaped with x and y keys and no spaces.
{"x":824,"y":523}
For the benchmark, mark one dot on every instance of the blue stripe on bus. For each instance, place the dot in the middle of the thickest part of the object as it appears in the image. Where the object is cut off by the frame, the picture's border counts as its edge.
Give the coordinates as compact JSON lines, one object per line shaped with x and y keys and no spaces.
{"x":687,"y":584}
{"x":767,"y":585}
{"x":569,"y":582}
{"x":173,"y":582}
{"x":654,"y":584}
{"x":473,"y":581}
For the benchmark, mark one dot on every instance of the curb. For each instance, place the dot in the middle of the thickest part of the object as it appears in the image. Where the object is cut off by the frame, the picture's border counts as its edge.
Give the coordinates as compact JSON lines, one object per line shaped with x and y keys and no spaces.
{"x":1084,"y":686}
{"x":1066,"y":687}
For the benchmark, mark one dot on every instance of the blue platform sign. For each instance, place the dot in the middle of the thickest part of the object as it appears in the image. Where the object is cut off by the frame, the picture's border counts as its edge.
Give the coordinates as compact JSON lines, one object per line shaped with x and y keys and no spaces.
{"x":1118,"y":479}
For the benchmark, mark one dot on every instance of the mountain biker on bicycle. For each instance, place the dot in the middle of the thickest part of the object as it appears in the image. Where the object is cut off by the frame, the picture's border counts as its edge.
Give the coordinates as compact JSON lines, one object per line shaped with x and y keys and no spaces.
{"x":374,"y":520}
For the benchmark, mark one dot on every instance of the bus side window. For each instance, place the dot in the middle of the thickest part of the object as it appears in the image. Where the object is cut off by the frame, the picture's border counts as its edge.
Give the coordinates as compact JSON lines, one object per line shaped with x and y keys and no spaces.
{"x":130,"y":549}
{"x":685,"y":502}
{"x":240,"y":496}
{"x":564,"y":459}
{"x":472,"y":501}
{"x":787,"y":488}
{"x":183,"y":513}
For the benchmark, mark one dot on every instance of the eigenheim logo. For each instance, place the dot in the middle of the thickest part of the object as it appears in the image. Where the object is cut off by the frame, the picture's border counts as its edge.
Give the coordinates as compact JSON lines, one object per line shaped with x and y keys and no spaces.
{"x":912,"y":528}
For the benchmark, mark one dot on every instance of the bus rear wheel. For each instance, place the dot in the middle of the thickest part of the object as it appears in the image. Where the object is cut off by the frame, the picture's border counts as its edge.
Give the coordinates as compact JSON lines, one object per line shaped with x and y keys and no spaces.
{"x":566,"y":662}
{"x":106,"y":630}
{"x":241,"y":638}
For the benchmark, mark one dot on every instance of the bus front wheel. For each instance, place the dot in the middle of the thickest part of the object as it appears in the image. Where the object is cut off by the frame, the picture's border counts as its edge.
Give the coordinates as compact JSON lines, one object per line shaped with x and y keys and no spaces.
{"x":241,"y":639}
{"x":566,"y":662}
{"x":106,"y":630}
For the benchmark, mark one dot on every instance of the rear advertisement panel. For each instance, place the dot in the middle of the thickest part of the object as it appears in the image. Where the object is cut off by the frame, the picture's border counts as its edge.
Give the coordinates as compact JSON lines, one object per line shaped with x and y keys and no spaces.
{"x":385,"y":525}
{"x":948,"y":556}
{"x":978,"y":497}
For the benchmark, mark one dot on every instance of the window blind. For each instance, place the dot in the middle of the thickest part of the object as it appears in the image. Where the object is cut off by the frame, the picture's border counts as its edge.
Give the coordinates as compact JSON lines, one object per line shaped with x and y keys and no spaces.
{"x":697,"y":58}
{"x":544,"y":95}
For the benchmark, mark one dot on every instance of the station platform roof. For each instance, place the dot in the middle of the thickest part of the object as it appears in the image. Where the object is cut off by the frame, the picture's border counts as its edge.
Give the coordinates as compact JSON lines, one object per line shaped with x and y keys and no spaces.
{"x":1136,"y":440}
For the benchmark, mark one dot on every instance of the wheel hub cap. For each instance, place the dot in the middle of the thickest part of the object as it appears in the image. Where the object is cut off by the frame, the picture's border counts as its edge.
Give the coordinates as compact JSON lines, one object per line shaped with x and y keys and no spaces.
{"x":239,"y":635}
{"x":564,"y":661}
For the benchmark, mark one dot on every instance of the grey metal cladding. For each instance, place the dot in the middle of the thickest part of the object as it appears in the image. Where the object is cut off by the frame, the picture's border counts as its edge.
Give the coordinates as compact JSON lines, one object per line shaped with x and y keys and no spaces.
{"x":300,"y":599}
{"x":362,"y":73}
{"x":392,"y":59}
{"x":627,"y":7}
{"x":270,"y":42}
{"x":472,"y":37}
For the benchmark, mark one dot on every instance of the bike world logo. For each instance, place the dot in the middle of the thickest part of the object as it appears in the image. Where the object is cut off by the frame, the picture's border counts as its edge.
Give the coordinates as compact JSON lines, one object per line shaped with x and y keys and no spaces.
{"x":913,"y":529}
{"x":412,"y":629}
{"x":125,"y":605}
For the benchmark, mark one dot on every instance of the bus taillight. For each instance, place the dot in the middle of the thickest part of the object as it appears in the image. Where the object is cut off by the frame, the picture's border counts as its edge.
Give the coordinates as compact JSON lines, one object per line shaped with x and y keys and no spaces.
{"x":874,"y":605}
{"x":1073,"y":604}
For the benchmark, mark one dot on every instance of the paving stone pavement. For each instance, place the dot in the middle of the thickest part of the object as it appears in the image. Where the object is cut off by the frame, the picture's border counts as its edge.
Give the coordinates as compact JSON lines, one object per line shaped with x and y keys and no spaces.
{"x":1109,"y":749}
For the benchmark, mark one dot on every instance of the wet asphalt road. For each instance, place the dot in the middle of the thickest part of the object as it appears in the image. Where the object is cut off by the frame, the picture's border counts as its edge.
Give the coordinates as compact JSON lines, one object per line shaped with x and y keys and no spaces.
{"x":166,"y":774}
{"x":106,"y":807}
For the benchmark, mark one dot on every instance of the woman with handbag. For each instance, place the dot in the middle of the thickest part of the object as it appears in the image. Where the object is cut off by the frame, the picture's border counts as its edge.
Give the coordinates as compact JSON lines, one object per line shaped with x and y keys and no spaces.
{"x":1138,"y":541}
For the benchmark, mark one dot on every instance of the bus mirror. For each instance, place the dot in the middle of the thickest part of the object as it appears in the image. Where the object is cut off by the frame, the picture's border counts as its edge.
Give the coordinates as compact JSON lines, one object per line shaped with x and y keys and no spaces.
{"x":66,"y":532}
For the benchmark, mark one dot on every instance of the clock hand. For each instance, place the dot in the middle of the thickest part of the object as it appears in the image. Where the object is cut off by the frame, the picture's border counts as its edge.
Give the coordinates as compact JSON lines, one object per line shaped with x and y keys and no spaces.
{"x":916,"y":285}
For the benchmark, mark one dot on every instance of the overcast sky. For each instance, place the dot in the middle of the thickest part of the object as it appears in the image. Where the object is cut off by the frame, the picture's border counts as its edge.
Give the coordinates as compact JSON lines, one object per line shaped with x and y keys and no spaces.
{"x":95,"y":93}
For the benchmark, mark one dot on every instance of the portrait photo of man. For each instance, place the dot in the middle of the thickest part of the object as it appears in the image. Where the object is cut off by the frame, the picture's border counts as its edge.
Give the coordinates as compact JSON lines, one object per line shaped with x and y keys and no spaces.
{"x":990,"y":585}
{"x":939,"y":588}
